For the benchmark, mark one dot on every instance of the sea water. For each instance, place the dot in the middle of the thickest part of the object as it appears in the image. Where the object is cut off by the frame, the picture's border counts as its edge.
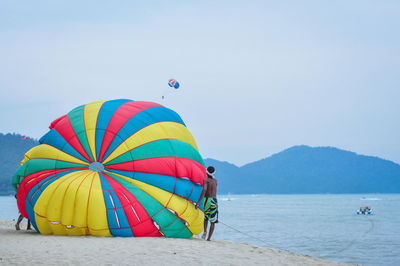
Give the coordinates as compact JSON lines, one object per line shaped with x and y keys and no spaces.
{"x":324,"y":226}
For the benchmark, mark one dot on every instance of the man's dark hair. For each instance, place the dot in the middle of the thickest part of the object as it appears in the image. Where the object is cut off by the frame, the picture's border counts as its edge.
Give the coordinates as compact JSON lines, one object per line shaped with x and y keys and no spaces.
{"x":210,"y":171}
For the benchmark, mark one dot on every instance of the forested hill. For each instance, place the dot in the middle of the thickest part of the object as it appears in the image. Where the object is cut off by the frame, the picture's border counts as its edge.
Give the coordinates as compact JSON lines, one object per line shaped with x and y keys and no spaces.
{"x":299,"y":169}
{"x":12,"y":150}
{"x":304,"y":169}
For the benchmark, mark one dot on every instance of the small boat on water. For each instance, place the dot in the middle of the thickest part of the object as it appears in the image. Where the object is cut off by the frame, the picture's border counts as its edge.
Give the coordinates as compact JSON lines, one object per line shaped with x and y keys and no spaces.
{"x":364,"y":210}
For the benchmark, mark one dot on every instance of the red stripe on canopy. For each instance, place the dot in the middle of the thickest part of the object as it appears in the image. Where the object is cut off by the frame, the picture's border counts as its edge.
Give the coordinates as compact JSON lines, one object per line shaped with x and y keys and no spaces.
{"x":118,"y":120}
{"x":170,"y":166}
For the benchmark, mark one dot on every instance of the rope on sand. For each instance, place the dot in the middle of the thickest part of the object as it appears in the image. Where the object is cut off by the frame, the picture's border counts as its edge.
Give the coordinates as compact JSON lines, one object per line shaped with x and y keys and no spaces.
{"x":246,"y":234}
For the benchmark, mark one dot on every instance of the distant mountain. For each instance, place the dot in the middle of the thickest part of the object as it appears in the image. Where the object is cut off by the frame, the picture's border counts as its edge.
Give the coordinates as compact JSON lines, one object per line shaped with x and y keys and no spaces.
{"x":304,"y":169}
{"x":299,"y":169}
{"x":228,"y":175}
{"x":12,"y":150}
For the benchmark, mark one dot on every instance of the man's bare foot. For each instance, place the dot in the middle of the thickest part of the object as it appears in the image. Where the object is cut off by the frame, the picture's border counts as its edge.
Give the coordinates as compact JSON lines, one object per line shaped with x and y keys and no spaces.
{"x":17,"y":227}
{"x":204,"y":235}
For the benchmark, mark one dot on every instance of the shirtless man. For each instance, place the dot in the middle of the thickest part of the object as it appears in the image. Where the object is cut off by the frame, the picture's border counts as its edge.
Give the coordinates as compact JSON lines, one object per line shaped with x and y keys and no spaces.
{"x":210,"y":202}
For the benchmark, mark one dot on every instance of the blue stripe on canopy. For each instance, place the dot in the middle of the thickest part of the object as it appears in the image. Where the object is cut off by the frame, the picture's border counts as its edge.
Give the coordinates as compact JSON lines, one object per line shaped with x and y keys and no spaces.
{"x":141,"y":120}
{"x":179,"y":186}
{"x":106,"y":112}
{"x":117,"y":220}
{"x":53,"y":138}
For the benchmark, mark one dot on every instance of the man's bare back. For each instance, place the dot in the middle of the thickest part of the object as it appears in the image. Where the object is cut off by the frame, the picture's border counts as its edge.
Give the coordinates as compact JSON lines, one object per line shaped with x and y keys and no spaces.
{"x":211,"y":187}
{"x":209,"y":193}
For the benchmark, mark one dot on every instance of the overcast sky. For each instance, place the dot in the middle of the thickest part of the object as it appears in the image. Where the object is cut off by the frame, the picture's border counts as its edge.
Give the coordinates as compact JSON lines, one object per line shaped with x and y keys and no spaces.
{"x":256,"y":76}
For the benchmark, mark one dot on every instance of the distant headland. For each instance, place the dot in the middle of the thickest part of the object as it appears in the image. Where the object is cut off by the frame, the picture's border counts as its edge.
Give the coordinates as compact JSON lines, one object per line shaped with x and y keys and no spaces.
{"x":310,"y":170}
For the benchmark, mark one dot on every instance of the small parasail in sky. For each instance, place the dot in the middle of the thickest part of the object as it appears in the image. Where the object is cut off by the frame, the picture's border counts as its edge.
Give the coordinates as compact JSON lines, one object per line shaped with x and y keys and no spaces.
{"x":114,"y":168}
{"x":173,"y":83}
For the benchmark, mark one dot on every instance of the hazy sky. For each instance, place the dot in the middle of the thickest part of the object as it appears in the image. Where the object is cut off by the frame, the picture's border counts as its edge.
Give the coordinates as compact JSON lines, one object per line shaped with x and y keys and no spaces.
{"x":256,"y":76}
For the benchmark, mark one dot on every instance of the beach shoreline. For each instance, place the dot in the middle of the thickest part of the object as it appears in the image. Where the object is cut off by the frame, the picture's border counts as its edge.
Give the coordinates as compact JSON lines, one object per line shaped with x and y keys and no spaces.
{"x":28,"y":247}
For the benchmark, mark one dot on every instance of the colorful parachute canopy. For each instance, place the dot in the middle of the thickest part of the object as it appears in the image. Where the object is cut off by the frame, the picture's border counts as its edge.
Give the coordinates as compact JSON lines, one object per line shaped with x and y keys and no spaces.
{"x":173,"y":83}
{"x":114,"y":168}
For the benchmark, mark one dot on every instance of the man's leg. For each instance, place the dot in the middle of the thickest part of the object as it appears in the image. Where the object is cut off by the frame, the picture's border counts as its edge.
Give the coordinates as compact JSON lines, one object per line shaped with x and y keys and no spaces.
{"x":205,"y":228}
{"x":28,"y":227}
{"x":211,"y":231}
{"x":18,"y":222}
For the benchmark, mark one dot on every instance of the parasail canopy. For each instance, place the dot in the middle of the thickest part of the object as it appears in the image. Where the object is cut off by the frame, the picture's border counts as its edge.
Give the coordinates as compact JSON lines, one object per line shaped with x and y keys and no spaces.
{"x":114,"y":168}
{"x":173,"y":83}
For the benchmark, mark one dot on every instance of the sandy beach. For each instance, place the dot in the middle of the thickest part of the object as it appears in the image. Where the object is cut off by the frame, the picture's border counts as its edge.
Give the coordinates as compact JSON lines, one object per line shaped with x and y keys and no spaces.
{"x":28,"y":247}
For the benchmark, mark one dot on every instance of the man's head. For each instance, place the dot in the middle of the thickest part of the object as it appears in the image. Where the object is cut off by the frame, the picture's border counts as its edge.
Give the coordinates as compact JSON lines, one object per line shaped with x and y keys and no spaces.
{"x":210,"y":171}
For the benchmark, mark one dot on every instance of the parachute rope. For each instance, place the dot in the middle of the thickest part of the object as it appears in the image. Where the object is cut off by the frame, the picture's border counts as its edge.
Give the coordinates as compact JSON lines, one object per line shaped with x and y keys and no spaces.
{"x":246,"y":234}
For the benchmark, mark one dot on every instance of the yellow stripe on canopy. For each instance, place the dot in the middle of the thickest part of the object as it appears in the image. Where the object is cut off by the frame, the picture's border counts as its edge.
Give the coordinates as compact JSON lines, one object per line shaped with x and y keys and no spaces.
{"x":26,"y":157}
{"x":157,"y":131}
{"x":90,"y":114}
{"x":44,"y":151}
{"x":184,"y":208}
{"x":73,"y":205}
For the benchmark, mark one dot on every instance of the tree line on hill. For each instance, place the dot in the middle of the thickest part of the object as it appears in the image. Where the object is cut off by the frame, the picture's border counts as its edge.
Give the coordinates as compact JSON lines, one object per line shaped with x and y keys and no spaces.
{"x":12,"y":149}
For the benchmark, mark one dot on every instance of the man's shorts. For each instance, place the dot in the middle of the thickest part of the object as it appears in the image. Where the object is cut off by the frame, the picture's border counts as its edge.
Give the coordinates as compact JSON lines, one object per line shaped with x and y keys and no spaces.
{"x":211,"y":209}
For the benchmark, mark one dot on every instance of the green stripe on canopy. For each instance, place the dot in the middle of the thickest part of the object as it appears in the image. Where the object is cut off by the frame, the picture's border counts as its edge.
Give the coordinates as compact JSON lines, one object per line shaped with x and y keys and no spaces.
{"x":37,"y":165}
{"x":77,"y":119}
{"x":160,"y":148}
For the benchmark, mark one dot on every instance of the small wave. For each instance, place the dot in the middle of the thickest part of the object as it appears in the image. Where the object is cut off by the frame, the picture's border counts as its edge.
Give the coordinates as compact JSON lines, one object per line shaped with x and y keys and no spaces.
{"x":370,"y":198}
{"x":227,"y":199}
